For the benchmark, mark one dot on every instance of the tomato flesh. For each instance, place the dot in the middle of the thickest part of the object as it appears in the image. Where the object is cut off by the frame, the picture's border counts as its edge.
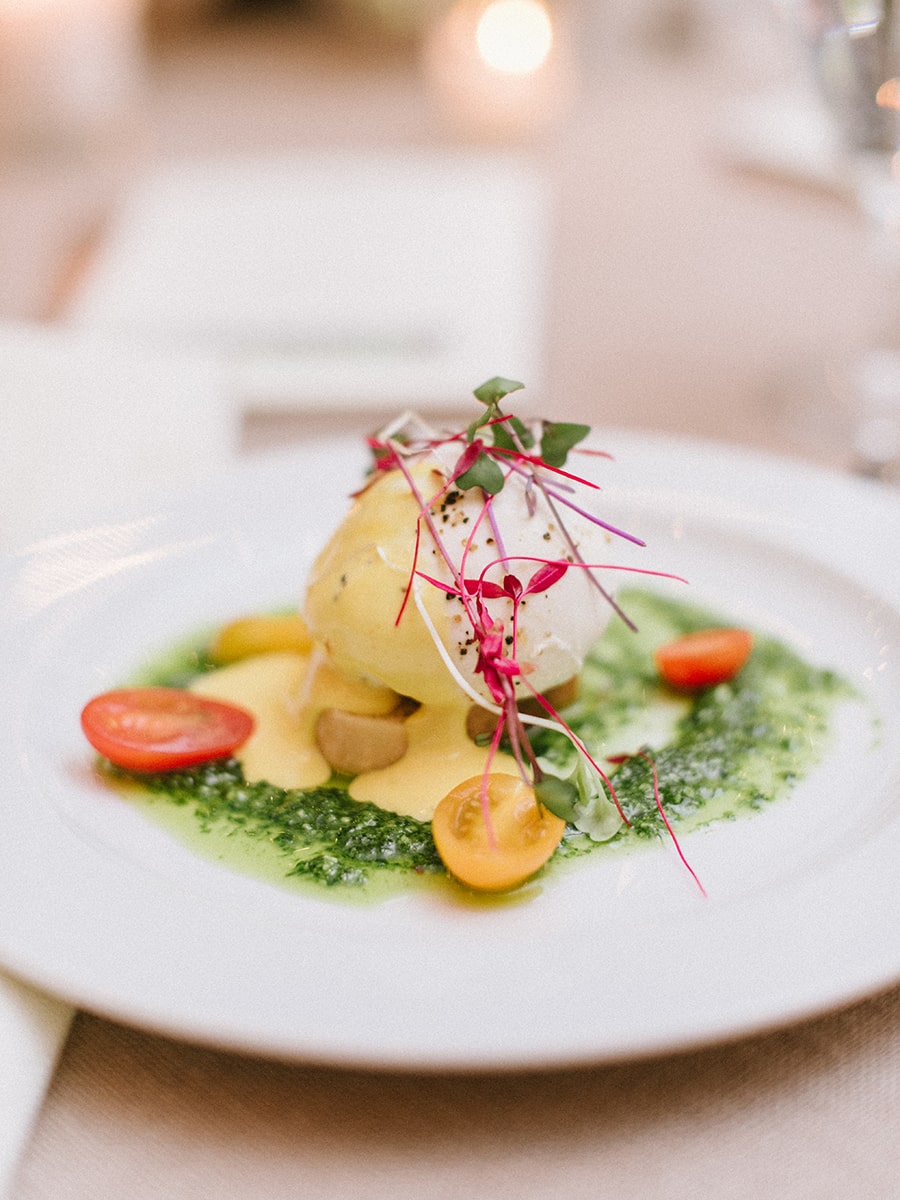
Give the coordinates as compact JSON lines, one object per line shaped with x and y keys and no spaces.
{"x":162,"y":729}
{"x":522,"y":834}
{"x":704,"y":658}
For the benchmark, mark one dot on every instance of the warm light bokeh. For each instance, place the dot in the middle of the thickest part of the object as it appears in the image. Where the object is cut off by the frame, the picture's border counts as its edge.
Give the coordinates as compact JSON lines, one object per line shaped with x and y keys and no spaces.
{"x":514,"y":35}
{"x":888,"y":95}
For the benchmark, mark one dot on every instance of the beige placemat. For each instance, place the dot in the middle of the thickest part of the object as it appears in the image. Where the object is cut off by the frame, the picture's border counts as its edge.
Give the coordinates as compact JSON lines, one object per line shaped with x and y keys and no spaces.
{"x":810,"y":1113}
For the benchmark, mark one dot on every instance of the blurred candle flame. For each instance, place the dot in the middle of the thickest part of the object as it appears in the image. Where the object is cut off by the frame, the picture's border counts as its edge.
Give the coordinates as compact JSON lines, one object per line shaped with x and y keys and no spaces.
{"x":499,"y":70}
{"x":515,"y":36}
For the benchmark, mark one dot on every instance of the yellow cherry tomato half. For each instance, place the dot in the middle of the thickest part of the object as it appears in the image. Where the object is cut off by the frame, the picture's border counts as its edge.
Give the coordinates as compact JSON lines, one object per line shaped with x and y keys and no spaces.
{"x":260,"y":635}
{"x":522,"y":834}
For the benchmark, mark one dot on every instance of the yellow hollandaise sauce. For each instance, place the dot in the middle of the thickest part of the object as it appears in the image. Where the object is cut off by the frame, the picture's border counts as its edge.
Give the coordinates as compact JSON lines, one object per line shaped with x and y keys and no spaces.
{"x":288,"y":693}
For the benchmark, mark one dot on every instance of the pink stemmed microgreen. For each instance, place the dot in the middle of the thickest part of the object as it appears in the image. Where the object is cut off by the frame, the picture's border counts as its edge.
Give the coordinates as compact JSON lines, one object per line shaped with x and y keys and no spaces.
{"x":514,"y":590}
{"x":495,"y":447}
{"x":620,"y":758}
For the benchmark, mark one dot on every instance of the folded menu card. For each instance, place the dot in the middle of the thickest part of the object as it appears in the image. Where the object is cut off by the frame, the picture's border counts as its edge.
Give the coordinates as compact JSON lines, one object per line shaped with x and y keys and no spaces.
{"x":334,"y":280}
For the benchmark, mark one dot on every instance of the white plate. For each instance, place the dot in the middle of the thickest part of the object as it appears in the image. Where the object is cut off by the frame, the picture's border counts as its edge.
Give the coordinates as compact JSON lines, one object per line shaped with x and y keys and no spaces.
{"x":619,"y":958}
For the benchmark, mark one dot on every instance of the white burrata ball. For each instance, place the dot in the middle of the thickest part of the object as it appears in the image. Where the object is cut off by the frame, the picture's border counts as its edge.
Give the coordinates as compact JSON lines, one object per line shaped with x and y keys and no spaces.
{"x":359,"y":581}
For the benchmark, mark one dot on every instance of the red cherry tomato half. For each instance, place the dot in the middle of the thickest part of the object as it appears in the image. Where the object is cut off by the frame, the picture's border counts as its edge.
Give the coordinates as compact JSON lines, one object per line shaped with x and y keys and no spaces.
{"x":161,"y":729}
{"x":704,"y":658}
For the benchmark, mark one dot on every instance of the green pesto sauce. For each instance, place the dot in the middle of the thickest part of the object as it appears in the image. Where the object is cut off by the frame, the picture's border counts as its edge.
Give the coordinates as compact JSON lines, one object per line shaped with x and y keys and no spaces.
{"x":730,"y":749}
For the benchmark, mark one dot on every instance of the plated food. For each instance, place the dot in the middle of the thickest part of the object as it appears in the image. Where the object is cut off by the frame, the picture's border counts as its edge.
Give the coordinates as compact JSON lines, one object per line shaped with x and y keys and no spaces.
{"x":232,"y":918}
{"x":468,"y":690}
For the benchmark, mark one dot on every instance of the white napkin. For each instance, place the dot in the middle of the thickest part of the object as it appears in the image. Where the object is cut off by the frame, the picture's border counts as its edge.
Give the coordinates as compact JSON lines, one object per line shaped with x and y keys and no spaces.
{"x":85,"y":422}
{"x":335,"y":281}
{"x":33,"y":1029}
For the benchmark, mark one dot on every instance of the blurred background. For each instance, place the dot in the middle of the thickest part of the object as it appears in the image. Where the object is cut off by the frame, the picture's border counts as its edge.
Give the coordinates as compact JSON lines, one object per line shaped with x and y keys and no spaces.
{"x":673,"y":215}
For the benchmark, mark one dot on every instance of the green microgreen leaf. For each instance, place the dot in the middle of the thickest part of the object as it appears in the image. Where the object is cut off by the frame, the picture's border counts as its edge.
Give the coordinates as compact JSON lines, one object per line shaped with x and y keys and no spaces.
{"x":475,"y":428}
{"x":523,"y":433}
{"x":483,"y":473}
{"x":559,"y":795}
{"x":493,"y":390}
{"x":512,"y":434}
{"x":558,"y":439}
{"x":500,"y":436}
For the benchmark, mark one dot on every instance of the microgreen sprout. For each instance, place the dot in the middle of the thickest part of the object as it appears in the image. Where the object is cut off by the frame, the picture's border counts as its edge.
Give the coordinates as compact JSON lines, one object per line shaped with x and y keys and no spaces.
{"x":620,"y":758}
{"x":494,"y":449}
